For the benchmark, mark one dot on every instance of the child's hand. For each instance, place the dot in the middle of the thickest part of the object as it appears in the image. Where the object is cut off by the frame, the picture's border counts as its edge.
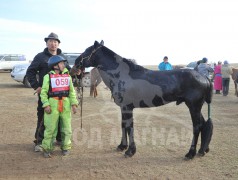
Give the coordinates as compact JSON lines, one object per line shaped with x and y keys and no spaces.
{"x":48,"y":109}
{"x":74,"y":109}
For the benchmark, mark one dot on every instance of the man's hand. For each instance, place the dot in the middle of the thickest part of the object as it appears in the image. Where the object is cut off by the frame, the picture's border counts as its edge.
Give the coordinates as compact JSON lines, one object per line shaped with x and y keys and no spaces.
{"x":74,"y":109}
{"x":48,"y":109}
{"x":38,"y":90}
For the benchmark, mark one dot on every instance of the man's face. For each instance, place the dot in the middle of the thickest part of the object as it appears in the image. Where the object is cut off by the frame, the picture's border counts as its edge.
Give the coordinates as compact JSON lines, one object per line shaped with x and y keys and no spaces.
{"x":52,"y":44}
{"x":165,"y":60}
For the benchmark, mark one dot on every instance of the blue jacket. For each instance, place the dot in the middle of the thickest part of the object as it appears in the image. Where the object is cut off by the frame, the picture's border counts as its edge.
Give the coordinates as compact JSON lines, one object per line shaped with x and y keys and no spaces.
{"x":165,"y":66}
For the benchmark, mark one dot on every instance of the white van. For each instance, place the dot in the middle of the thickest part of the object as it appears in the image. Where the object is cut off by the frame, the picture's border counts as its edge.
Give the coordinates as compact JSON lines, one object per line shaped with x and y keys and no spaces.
{"x":7,"y":61}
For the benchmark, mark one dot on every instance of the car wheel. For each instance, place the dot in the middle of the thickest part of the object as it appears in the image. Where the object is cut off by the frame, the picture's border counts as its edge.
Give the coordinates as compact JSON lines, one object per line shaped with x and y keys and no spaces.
{"x":86,"y":80}
{"x":26,"y":82}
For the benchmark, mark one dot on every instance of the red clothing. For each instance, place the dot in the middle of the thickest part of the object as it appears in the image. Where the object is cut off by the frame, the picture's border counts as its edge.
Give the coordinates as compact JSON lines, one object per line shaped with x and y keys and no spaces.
{"x":217,"y":78}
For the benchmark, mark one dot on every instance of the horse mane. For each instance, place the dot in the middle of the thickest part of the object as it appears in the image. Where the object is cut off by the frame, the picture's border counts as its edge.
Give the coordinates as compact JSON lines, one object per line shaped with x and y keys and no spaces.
{"x":130,"y":62}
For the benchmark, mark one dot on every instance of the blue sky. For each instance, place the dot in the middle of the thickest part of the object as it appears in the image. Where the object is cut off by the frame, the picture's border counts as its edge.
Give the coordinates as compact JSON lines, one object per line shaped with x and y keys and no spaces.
{"x":144,"y":30}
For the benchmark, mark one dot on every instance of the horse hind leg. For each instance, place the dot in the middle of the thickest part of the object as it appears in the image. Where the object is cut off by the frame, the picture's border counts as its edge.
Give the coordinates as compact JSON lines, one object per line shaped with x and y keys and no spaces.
{"x":198,"y":121}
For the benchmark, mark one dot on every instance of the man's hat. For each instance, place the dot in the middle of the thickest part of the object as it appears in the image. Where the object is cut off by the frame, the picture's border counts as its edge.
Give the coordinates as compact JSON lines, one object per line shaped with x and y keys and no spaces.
{"x":204,"y":60}
{"x":52,"y":36}
{"x":226,"y":62}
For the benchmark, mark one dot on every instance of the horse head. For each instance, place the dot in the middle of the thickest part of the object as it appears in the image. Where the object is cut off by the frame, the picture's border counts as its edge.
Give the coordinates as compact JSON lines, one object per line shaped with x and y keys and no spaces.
{"x":87,"y":58}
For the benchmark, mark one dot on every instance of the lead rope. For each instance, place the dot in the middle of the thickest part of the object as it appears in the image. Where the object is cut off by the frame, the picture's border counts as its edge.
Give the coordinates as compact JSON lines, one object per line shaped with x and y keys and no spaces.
{"x":80,"y":93}
{"x":81,"y":104}
{"x":209,"y":111}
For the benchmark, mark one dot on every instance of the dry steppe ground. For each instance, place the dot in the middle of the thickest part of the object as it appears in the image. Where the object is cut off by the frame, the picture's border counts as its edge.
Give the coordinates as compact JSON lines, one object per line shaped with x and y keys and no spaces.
{"x":163,"y":136}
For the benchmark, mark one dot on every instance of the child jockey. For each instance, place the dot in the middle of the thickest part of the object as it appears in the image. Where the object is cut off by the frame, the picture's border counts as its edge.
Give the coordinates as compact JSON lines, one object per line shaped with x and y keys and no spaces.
{"x":57,"y":96}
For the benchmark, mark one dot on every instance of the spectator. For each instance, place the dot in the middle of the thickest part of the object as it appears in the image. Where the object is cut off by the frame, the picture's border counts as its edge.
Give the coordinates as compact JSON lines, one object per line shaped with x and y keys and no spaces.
{"x":198,"y":62}
{"x":204,"y":68}
{"x":165,"y":65}
{"x":226,"y":72}
{"x":39,"y":67}
{"x":218,"y":78}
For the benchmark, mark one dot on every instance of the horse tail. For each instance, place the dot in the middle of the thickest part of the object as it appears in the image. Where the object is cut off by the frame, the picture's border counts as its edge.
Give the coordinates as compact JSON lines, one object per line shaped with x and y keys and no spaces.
{"x":209,"y":92}
{"x":207,"y":129}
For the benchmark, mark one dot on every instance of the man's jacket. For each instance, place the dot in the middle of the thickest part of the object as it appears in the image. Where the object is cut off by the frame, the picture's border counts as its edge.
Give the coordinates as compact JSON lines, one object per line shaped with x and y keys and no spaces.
{"x":39,"y":66}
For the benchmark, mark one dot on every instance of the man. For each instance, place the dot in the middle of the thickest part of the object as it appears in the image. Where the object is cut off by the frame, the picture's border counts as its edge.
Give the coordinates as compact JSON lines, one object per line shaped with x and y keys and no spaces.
{"x":39,"y":66}
{"x":226,"y":72}
{"x":204,"y":68}
{"x":165,"y":65}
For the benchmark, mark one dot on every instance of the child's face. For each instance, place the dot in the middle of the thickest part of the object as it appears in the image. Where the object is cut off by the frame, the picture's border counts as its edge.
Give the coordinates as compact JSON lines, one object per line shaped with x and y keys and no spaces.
{"x":61,"y":65}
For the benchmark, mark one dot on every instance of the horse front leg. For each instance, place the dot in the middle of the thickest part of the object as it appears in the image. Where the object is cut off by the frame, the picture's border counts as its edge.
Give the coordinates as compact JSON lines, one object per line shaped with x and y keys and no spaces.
{"x":127,"y":129}
{"x":123,"y":146}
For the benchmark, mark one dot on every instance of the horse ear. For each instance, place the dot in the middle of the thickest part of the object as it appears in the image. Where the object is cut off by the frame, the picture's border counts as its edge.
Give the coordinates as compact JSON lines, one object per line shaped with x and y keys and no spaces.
{"x":102,"y":42}
{"x":95,"y":44}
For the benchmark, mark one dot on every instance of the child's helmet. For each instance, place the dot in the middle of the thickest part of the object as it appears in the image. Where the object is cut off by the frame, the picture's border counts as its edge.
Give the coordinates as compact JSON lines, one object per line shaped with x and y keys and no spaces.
{"x":54,"y":60}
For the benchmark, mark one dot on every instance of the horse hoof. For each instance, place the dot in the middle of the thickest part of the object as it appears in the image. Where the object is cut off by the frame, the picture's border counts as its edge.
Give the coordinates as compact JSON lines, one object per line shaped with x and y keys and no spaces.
{"x":202,"y":153}
{"x":127,"y":155}
{"x":130,"y":152}
{"x":188,"y":157}
{"x":207,"y":150}
{"x":121,"y":147}
{"x":190,"y":154}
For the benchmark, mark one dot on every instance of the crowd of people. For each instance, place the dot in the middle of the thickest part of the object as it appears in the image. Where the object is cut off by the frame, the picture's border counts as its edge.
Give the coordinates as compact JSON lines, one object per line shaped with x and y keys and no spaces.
{"x":221,"y":73}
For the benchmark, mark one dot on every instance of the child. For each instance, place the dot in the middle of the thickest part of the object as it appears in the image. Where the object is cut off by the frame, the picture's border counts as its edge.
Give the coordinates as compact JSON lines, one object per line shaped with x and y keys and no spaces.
{"x":57,"y":96}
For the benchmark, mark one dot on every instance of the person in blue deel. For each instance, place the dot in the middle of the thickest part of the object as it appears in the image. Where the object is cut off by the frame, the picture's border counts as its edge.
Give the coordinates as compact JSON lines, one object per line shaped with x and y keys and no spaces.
{"x":165,"y":65}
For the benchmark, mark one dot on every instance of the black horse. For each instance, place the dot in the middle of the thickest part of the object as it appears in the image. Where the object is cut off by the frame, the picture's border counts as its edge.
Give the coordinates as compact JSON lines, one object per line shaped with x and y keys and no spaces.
{"x":133,"y":86}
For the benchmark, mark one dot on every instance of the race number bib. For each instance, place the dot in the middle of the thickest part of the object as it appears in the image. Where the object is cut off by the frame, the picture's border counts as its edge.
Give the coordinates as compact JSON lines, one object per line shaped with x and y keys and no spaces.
{"x":59,"y":82}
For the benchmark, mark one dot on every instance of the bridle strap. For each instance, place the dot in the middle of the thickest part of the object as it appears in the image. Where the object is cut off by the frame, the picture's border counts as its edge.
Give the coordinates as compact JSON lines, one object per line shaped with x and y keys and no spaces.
{"x":89,"y":56}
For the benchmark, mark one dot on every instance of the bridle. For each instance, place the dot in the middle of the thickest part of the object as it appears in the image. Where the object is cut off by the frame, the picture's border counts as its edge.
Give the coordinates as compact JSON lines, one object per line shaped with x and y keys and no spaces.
{"x":80,"y":65}
{"x":89,"y":56}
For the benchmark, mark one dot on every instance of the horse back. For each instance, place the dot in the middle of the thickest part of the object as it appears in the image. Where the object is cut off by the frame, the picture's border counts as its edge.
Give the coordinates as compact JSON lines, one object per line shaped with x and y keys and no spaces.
{"x":177,"y":85}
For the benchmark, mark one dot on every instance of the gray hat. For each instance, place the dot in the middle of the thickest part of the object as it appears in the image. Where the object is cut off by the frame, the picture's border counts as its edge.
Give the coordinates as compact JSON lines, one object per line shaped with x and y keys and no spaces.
{"x":52,"y":36}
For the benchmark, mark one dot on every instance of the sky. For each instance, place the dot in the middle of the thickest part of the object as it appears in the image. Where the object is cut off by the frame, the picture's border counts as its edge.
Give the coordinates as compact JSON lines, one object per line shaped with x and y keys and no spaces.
{"x":143,"y":30}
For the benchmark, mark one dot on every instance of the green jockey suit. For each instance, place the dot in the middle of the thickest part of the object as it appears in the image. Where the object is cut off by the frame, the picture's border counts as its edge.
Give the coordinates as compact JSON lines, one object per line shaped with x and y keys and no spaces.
{"x":58,"y":93}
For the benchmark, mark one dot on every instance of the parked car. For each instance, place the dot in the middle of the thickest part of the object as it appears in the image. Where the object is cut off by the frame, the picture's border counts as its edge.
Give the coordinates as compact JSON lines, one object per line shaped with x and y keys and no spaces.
{"x":7,"y":61}
{"x":191,"y":65}
{"x":18,"y":72}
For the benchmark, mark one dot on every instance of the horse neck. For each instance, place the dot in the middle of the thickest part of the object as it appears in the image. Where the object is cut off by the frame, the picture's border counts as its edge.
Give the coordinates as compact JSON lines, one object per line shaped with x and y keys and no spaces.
{"x":111,"y":67}
{"x":106,"y":59}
